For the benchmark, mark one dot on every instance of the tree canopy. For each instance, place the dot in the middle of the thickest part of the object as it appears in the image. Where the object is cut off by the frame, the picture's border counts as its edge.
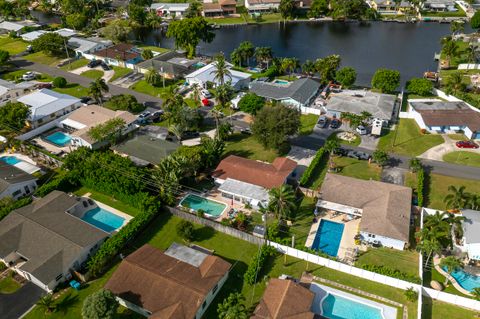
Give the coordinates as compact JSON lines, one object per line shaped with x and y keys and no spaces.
{"x":13,"y":115}
{"x":4,"y":57}
{"x":287,"y":9}
{"x":386,"y":80}
{"x":124,"y":102}
{"x":188,"y":32}
{"x":319,"y":8}
{"x":346,"y":76}
{"x":251,"y":103}
{"x":50,"y":43}
{"x":100,"y":305}
{"x":117,"y":30}
{"x":475,"y":20}
{"x":420,"y":86}
{"x":108,"y":131}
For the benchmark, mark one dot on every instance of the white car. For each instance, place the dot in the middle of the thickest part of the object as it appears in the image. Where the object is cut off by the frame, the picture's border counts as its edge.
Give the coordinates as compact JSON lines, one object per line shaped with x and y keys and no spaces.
{"x":29,"y":76}
{"x":206,"y":94}
{"x":361,"y":130}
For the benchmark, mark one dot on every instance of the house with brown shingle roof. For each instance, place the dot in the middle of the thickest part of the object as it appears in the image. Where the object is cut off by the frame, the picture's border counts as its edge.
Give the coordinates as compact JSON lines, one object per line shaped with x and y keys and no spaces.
{"x":384,"y":208}
{"x":179,"y":283}
{"x":249,"y":181}
{"x":285,"y":299}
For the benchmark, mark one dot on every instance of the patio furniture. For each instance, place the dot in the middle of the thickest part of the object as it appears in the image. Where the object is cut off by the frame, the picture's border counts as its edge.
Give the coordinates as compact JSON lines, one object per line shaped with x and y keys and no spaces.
{"x":75,"y":284}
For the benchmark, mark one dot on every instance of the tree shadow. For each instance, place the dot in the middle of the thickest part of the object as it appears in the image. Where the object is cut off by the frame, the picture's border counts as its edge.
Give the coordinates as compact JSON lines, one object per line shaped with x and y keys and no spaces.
{"x":427,"y":308}
{"x":204,"y":233}
{"x":66,"y":303}
{"x":149,"y":233}
{"x":241,"y":153}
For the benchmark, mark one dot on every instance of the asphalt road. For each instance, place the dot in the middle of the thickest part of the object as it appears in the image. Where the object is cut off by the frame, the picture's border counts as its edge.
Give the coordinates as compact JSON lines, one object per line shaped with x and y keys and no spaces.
{"x":153,"y":102}
{"x":14,"y":305}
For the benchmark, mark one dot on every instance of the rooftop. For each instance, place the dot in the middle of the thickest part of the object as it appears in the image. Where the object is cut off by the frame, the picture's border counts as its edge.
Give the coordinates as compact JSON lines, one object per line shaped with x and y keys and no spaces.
{"x":206,"y":74}
{"x":248,"y":190}
{"x":170,"y":6}
{"x":10,"y":175}
{"x":122,"y":51}
{"x":471,"y":225}
{"x":170,"y":62}
{"x":87,"y":44}
{"x":6,"y":86}
{"x":44,"y":102}
{"x":17,"y":26}
{"x":300,"y":90}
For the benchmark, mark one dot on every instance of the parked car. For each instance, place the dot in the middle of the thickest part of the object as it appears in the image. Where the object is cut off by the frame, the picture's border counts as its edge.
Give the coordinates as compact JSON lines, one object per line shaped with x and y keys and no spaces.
{"x":205,"y":102}
{"x":156,"y":116}
{"x":206,"y":94}
{"x":246,"y":130}
{"x":94,"y":63}
{"x":322,"y":121}
{"x":466,"y":144}
{"x":335,"y":123}
{"x":361,"y":130}
{"x":105,"y":66}
{"x":29,"y":48}
{"x":44,"y":85}
{"x":190,"y":134}
{"x":358,"y":155}
{"x":29,"y":76}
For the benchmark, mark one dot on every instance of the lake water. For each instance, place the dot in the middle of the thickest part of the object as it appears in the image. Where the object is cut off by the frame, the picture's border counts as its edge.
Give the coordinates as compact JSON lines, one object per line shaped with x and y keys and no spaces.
{"x":408,"y":48}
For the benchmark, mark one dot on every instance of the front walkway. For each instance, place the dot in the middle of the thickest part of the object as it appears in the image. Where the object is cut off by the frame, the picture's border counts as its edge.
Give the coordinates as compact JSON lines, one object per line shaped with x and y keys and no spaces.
{"x":436,"y":153}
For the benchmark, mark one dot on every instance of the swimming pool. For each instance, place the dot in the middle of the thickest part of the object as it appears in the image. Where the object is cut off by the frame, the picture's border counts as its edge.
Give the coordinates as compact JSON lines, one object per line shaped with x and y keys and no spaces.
{"x":466,"y":280}
{"x":10,"y":160}
{"x":59,"y":138}
{"x":103,"y":219}
{"x":283,"y":82}
{"x":338,"y":307}
{"x":196,"y":203}
{"x":328,"y":237}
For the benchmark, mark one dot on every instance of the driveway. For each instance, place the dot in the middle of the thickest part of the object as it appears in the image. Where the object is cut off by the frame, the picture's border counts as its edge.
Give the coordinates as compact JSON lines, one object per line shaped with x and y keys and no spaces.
{"x":303,"y":157}
{"x":436,"y":153}
{"x":107,"y":75}
{"x":369,"y":142}
{"x":393,"y":175}
{"x":14,"y":305}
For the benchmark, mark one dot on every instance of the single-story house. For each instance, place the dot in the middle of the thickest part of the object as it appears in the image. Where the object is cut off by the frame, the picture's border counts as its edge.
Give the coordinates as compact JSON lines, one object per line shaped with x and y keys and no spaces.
{"x":171,"y":65}
{"x":381,"y":106}
{"x":262,"y":5}
{"x":299,"y":93}
{"x":87,"y":46}
{"x":239,"y":80}
{"x":390,"y":6}
{"x":10,"y":91}
{"x":82,"y":120}
{"x":31,"y":36}
{"x":47,"y":105}
{"x":384,"y":208}
{"x":14,"y":182}
{"x":148,"y":146}
{"x":283,"y":299}
{"x":174,"y":10}
{"x":471,"y":233}
{"x":438,"y":116}
{"x":122,"y":54}
{"x":220,"y":8}
{"x":17,"y":26}
{"x":44,"y":241}
{"x":178,"y":283}
{"x":439,"y":5}
{"x":248,"y":181}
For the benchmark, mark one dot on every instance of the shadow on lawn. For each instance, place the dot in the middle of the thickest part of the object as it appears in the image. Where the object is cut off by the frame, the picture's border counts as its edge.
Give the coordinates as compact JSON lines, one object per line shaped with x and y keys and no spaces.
{"x":203,"y":233}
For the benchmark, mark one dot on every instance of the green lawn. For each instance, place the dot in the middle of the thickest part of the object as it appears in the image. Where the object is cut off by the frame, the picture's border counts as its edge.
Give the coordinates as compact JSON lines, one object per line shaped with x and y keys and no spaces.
{"x":355,"y":142}
{"x":110,"y":201}
{"x":93,"y":74}
{"x":433,"y":309}
{"x":407,"y":139}
{"x":357,"y":168}
{"x":457,"y":137}
{"x":463,"y":158}
{"x":153,"y":48}
{"x":73,"y":89}
{"x":143,"y":87}
{"x":119,"y":72}
{"x":303,"y":221}
{"x":8,"y":285}
{"x":13,"y":46}
{"x":437,"y":189}
{"x":16,"y":76}
{"x":227,"y":20}
{"x":307,"y":123}
{"x":404,"y":260}
{"x":42,"y":58}
{"x":433,"y":274}
{"x":318,"y":174}
{"x":75,"y":64}
{"x":247,"y":146}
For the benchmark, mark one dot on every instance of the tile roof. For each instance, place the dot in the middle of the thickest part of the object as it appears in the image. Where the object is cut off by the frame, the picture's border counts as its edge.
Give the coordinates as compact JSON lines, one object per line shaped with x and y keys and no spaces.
{"x":300,"y":90}
{"x":122,"y":51}
{"x":164,"y":285}
{"x":45,"y":102}
{"x":386,"y":207}
{"x":11,"y":175}
{"x":285,"y":299}
{"x":254,"y":172}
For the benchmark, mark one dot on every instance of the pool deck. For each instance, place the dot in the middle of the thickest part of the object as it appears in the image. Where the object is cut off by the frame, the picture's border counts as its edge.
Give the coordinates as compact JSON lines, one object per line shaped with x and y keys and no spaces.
{"x":53,"y":148}
{"x":215,"y":195}
{"x":321,"y":292}
{"x":112,"y":210}
{"x":349,"y":231}
{"x":32,"y":167}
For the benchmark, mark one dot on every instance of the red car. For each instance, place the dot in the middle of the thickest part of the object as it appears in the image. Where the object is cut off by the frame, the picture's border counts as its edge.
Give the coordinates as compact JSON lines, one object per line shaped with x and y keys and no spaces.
{"x":466,"y":144}
{"x":205,"y":102}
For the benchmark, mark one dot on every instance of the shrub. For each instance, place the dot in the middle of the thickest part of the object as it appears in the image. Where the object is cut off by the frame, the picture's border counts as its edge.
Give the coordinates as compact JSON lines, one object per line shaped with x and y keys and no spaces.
{"x":411,"y":294}
{"x":420,"y":86}
{"x":7,"y":207}
{"x":59,"y":82}
{"x":386,"y":80}
{"x":256,"y":264}
{"x":420,"y":186}
{"x":200,"y":213}
{"x":185,"y":230}
{"x":307,"y":175}
{"x":100,"y":304}
{"x":395,"y":273}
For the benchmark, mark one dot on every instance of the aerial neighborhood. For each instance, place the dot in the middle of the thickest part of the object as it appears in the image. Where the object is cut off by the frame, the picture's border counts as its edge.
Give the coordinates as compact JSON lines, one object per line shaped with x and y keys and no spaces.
{"x":264,"y":159}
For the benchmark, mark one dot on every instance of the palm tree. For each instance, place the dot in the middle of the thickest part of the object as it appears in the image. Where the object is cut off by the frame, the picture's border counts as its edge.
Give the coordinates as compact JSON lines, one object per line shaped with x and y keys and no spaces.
{"x":455,"y":83}
{"x":450,"y":49}
{"x":457,"y":27}
{"x":147,"y":54}
{"x":97,"y":88}
{"x":153,"y":21}
{"x":264,"y":54}
{"x":451,"y":264}
{"x":472,"y":53}
{"x":289,"y":65}
{"x":430,"y":247}
{"x":476,"y":293}
{"x":232,"y":307}
{"x":152,"y":77}
{"x":47,"y":303}
{"x":282,"y":201}
{"x":330,"y":146}
{"x":222,"y":70}
{"x":473,"y":201}
{"x":457,"y":197}
{"x":177,"y":130}
{"x":308,"y":67}
{"x":196,"y":92}
{"x":436,"y":220}
{"x":456,"y":225}
{"x":247,"y":50}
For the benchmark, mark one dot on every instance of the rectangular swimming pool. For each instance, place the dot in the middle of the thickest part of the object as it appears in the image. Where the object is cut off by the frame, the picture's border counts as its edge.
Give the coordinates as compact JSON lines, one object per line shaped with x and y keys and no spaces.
{"x":59,"y":138}
{"x":103,"y":219}
{"x":328,"y":237}
{"x":10,"y":160}
{"x":196,"y":203}
{"x":338,"y":307}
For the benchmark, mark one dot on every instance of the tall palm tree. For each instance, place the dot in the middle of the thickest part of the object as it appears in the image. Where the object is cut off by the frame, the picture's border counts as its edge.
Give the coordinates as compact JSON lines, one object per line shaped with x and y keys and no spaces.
{"x":152,"y":77}
{"x":97,"y":89}
{"x":264,"y":54}
{"x":153,"y":21}
{"x":282,"y":201}
{"x":456,"y":225}
{"x":429,"y":247}
{"x":457,"y":197}
{"x":473,"y":201}
{"x":196,"y":92}
{"x":47,"y":303}
{"x":308,"y":67}
{"x":472,"y":53}
{"x":247,"y":50}
{"x":451,"y":264}
{"x":290,"y":65}
{"x":222,"y":70}
{"x":455,"y":83}
{"x":436,"y":220}
{"x":330,"y":146}
{"x":457,"y":27}
{"x":450,"y":49}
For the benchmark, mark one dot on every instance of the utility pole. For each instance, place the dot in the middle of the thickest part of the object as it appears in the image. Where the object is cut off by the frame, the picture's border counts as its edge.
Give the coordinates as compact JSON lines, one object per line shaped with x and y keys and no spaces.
{"x":68,"y":56}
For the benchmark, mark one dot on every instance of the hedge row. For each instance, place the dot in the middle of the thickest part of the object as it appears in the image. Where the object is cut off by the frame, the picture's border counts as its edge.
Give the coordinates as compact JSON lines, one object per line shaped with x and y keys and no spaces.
{"x":5,"y":210}
{"x":257,"y":263}
{"x":395,"y":273}
{"x":307,"y":175}
{"x":420,"y":186}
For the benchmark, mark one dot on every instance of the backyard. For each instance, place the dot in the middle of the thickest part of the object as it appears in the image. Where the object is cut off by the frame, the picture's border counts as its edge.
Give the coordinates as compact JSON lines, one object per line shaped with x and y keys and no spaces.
{"x":463,"y":158}
{"x":405,"y":261}
{"x":143,"y":86}
{"x":73,"y":89}
{"x":13,"y":46}
{"x":407,"y":139}
{"x":108,"y":200}
{"x":433,"y":309}
{"x":247,"y":146}
{"x":307,"y":123}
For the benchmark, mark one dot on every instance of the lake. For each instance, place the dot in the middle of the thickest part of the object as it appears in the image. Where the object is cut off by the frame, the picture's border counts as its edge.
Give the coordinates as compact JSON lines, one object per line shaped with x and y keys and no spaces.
{"x":408,"y":48}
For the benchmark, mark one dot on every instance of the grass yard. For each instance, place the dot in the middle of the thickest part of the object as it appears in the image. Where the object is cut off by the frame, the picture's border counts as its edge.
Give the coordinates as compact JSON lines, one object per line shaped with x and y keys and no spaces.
{"x":143,"y":87}
{"x":307,"y":123}
{"x":433,"y":309}
{"x":152,"y":48}
{"x":303,"y":221}
{"x":75,"y":64}
{"x":318,"y":174}
{"x":407,"y":139}
{"x":355,"y":142}
{"x":457,"y":137}
{"x":247,"y":146}
{"x":463,"y":158}
{"x":93,"y":74}
{"x":228,"y":20}
{"x":433,"y":274}
{"x":406,"y":261}
{"x":73,"y":89}
{"x":108,"y":200}
{"x":437,"y":189}
{"x":13,"y":46}
{"x":16,"y":76}
{"x":119,"y":72}
{"x":42,"y":58}
{"x":8,"y":285}
{"x":357,"y":168}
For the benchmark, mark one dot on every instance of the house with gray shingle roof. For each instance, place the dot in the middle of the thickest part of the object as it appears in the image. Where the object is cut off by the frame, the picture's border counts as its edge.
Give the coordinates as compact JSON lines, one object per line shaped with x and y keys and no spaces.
{"x":45,"y":241}
{"x":299,"y":93}
{"x":14,"y":182}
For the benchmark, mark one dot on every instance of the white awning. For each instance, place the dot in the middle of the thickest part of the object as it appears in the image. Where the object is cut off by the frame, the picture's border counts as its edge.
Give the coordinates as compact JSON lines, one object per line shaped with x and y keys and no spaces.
{"x":245,"y":190}
{"x":74,"y":124}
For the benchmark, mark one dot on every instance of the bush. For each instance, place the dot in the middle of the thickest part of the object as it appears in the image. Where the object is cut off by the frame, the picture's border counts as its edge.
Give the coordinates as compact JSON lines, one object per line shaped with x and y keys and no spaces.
{"x":200,"y":213}
{"x":395,"y":273}
{"x":59,"y":82}
{"x":251,"y":103}
{"x":124,"y":102}
{"x":185,"y":230}
{"x":100,"y":304}
{"x":256,"y":264}
{"x":386,"y":80}
{"x":420,"y":186}
{"x":420,"y":86}
{"x":411,"y":294}
{"x":307,"y":174}
{"x":8,"y":207}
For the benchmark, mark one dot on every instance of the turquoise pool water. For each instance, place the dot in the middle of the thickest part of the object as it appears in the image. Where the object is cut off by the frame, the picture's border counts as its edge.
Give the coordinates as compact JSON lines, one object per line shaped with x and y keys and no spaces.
{"x":209,"y":206}
{"x":103,"y":219}
{"x":337,"y":307}
{"x":328,"y":237}
{"x":59,"y":138}
{"x":466,"y":280}
{"x":11,"y":160}
{"x":281,"y":82}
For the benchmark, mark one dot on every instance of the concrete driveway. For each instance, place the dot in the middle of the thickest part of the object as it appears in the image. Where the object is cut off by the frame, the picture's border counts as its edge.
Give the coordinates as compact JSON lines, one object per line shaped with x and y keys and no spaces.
{"x":13,"y":306}
{"x":393,"y":175}
{"x":436,"y":153}
{"x":303,"y":157}
{"x":369,"y":142}
{"x":107,"y":75}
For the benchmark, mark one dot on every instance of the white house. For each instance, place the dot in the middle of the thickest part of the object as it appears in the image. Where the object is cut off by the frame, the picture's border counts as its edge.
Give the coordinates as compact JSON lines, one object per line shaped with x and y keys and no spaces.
{"x":178,"y":283}
{"x":439,"y":5}
{"x":471,"y":233}
{"x":31,"y":36}
{"x":174,"y":10}
{"x":87,"y":46}
{"x":384,"y":208}
{"x":262,"y":5}
{"x":47,"y":105}
{"x":14,"y":182}
{"x":239,"y":80}
{"x":44,"y":241}
{"x":10,"y":91}
{"x":17,"y":27}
